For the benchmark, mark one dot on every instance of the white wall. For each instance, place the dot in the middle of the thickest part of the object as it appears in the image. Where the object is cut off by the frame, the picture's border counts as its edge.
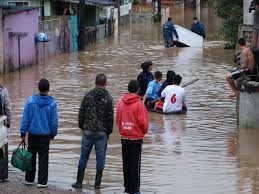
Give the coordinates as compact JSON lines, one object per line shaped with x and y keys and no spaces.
{"x":248,"y":17}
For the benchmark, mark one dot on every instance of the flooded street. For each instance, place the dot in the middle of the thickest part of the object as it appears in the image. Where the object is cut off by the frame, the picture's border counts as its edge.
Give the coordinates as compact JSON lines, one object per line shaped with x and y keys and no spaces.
{"x":201,"y":152}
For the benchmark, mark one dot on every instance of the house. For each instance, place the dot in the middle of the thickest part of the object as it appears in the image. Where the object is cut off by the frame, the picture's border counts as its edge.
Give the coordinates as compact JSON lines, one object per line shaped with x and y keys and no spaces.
{"x":18,"y":26}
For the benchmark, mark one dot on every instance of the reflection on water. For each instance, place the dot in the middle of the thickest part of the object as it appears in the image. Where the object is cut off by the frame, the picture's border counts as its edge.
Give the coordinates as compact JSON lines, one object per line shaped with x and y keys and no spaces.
{"x":202,"y":152}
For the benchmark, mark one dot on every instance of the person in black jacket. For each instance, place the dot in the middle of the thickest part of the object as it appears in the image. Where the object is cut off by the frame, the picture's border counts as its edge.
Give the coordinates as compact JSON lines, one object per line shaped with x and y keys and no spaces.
{"x":96,"y":121}
{"x":169,"y":81}
{"x":145,"y":77}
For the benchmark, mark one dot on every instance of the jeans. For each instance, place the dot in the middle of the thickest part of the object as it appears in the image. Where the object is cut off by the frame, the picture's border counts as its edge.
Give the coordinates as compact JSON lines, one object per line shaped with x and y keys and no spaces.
{"x":99,"y":141}
{"x":39,"y":145}
{"x":131,"y":155}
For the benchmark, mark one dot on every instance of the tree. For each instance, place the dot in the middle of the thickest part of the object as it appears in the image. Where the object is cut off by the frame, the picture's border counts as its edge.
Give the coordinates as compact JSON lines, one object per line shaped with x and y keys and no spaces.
{"x":232,"y":13}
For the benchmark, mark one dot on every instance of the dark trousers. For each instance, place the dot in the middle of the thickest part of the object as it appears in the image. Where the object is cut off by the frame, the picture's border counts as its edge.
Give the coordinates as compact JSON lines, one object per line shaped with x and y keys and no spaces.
{"x":131,"y":156}
{"x":39,"y":145}
{"x":4,"y":164}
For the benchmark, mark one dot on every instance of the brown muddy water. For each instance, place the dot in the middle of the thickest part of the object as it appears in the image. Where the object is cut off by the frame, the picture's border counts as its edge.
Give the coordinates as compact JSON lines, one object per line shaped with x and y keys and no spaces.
{"x":202,"y":152}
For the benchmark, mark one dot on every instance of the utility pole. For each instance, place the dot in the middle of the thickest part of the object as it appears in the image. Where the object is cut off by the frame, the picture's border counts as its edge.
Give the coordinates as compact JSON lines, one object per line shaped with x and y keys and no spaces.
{"x":119,"y":11}
{"x":42,"y":14}
{"x":81,"y":38}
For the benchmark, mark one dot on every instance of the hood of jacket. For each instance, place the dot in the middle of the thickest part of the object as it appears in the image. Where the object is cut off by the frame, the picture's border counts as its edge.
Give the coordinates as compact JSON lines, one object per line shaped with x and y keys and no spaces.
{"x":146,"y":65}
{"x":130,"y":98}
{"x":42,"y":101}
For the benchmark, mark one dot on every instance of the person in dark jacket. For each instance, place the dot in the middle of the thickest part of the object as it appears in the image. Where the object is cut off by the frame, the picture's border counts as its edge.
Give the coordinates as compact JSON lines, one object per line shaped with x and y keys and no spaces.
{"x":96,"y":121}
{"x":198,"y":27}
{"x":40,"y":121}
{"x":169,"y":81}
{"x":145,"y":77}
{"x":168,"y":31}
{"x":5,"y":109}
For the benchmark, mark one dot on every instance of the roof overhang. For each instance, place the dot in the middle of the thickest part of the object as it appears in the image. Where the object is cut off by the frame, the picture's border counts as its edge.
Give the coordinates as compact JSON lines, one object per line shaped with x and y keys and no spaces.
{"x":91,"y":2}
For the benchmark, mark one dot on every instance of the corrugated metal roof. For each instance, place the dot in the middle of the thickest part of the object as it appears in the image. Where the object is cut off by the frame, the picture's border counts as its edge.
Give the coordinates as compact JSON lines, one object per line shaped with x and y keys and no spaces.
{"x":92,"y":2}
{"x":7,"y":10}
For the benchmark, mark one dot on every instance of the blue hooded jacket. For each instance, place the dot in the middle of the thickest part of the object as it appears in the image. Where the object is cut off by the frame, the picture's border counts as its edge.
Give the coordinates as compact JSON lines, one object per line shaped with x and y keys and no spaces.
{"x":169,"y":29}
{"x":199,"y":29}
{"x":40,"y":116}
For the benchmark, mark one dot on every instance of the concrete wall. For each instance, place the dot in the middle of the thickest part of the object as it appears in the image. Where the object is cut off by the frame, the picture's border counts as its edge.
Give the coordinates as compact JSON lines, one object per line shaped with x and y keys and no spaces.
{"x":248,"y":109}
{"x":1,"y":43}
{"x":21,"y":22}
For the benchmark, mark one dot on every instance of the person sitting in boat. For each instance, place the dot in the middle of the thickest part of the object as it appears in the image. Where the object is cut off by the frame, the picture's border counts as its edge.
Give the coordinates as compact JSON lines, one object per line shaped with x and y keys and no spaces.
{"x":152,"y":90}
{"x":174,"y":98}
{"x":145,"y":77}
{"x":169,"y":81}
{"x":198,"y":27}
{"x":168,"y":30}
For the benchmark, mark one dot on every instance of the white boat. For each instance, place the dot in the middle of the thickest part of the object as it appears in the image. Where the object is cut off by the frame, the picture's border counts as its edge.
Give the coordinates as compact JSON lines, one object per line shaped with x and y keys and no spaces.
{"x":187,"y":38}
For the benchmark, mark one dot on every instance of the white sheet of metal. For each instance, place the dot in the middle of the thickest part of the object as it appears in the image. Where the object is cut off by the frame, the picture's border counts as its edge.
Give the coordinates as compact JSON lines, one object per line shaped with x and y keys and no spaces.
{"x":189,"y":38}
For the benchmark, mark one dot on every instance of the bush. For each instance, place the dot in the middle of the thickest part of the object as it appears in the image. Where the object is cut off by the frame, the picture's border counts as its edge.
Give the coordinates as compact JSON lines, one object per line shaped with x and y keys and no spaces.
{"x":232,"y":13}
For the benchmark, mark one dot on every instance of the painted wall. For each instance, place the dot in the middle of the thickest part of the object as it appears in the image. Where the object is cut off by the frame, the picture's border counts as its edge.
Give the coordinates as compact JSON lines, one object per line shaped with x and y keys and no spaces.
{"x":47,"y":8}
{"x":21,"y":22}
{"x":1,"y":43}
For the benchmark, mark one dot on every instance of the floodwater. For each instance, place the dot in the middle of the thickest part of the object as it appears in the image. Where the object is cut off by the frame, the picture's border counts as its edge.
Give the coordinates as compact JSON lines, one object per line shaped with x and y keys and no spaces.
{"x":202,"y":152}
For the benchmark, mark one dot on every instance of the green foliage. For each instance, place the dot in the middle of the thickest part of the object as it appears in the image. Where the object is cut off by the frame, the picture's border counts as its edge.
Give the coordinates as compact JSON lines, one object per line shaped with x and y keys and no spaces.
{"x":136,"y":2}
{"x":232,"y":13}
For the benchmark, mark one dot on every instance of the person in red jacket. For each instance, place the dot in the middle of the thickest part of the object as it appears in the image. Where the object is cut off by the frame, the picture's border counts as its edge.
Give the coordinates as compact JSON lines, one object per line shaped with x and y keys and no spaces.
{"x":132,"y":121}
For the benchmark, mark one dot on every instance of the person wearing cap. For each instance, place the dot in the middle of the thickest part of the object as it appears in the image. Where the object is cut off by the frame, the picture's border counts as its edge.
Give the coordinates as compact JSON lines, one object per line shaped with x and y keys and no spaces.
{"x":198,"y":27}
{"x":168,"y":31}
{"x":145,"y":77}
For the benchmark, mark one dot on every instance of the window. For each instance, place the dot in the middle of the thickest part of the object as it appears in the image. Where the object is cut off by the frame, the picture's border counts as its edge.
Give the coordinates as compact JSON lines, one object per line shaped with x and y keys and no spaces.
{"x":19,"y":3}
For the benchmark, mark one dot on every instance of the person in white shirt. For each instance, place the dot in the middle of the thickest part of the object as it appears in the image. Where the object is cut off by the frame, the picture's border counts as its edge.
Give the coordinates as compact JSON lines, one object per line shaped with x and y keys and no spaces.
{"x":174,"y":97}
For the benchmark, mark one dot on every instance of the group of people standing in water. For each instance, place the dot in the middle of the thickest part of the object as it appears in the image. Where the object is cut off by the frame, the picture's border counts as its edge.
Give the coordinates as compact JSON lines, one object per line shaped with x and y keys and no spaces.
{"x":167,"y":97}
{"x":39,"y":124}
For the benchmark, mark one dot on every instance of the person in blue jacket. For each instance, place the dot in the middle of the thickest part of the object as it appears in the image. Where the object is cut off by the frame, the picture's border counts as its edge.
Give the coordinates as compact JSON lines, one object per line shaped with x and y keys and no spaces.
{"x":168,"y":30}
{"x":40,"y":122}
{"x":198,"y":27}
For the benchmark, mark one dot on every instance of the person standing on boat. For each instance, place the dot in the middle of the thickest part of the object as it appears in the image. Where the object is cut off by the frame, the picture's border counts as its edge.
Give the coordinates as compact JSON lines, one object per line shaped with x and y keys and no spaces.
{"x":175,"y":99}
{"x":5,"y":109}
{"x":152,"y":90}
{"x":168,"y":31}
{"x":145,"y":77}
{"x":198,"y":27}
{"x":132,"y":121}
{"x":96,"y":123}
